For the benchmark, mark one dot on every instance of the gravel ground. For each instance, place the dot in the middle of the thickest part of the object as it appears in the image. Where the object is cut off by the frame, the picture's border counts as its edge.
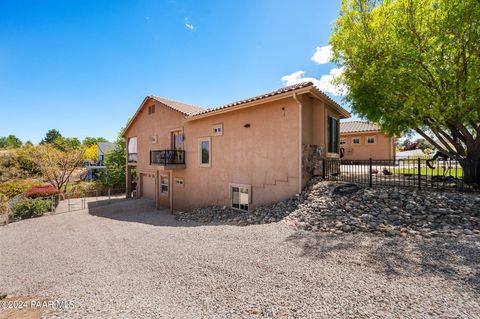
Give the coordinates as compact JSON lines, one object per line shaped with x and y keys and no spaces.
{"x":128,"y":261}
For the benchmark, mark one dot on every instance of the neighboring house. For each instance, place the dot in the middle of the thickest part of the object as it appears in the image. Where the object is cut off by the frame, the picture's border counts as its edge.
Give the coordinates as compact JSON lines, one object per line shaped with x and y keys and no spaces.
{"x":103,"y":148}
{"x":411,"y":154}
{"x":244,"y":154}
{"x":94,"y":169}
{"x":361,"y":140}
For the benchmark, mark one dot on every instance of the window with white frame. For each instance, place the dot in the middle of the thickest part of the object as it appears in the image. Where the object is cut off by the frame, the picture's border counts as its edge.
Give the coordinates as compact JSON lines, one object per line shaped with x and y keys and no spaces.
{"x":356,"y":140}
{"x":343,"y":141}
{"x":179,"y":181}
{"x":371,"y":140}
{"x":240,"y":197}
{"x":163,"y":184}
{"x":205,"y":152}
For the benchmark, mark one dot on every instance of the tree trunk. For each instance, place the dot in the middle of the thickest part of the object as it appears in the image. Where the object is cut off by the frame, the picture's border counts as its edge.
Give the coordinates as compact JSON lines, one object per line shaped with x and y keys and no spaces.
{"x":471,"y":171}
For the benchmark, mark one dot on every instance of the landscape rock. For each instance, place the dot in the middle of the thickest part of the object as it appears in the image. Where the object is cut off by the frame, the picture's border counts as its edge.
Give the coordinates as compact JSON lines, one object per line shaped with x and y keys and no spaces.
{"x":385,"y":210}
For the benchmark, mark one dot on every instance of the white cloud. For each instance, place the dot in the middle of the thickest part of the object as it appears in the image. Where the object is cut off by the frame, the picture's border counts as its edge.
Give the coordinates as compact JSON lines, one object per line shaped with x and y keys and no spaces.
{"x":188,"y":25}
{"x":322,"y":55}
{"x":325,"y":83}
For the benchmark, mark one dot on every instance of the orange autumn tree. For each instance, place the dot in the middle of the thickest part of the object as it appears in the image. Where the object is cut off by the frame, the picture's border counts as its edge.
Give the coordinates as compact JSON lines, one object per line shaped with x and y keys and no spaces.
{"x":56,"y":166}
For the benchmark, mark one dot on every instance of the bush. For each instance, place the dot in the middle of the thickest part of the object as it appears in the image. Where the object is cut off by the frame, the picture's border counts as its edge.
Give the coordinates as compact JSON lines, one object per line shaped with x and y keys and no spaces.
{"x":41,"y":191}
{"x":31,"y":207}
{"x":15,"y":187}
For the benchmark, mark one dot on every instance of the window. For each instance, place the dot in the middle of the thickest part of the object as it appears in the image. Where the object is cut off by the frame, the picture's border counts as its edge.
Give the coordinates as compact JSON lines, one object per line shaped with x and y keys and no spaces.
{"x":179,"y":181}
{"x":370,"y":140}
{"x":218,"y":129}
{"x":100,"y":157}
{"x":205,"y":152}
{"x":240,"y":197}
{"x":332,"y":126}
{"x":151,"y":109}
{"x":343,"y":141}
{"x":356,"y":141}
{"x":163,"y":184}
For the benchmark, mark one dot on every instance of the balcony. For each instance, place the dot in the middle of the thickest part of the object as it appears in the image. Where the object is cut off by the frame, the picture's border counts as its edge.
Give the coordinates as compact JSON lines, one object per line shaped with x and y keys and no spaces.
{"x":132,"y":158}
{"x":170,"y":158}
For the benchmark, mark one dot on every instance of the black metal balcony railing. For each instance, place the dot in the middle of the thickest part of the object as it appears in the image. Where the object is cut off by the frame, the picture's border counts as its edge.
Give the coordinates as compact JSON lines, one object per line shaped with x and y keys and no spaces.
{"x":132,"y":157}
{"x":167,"y":157}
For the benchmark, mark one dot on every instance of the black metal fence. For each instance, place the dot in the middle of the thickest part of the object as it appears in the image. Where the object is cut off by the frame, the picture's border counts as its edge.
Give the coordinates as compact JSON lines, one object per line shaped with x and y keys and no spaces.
{"x":416,"y":173}
{"x":167,"y":157}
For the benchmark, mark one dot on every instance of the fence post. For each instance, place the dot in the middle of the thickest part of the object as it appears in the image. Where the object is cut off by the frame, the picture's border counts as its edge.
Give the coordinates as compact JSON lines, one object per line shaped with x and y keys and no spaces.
{"x":53,"y":204}
{"x":109,"y":193}
{"x":419,"y":174}
{"x":370,"y":182}
{"x":323,"y":168}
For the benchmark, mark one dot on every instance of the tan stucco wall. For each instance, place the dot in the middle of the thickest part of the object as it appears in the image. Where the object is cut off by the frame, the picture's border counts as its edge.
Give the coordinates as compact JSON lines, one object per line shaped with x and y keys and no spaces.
{"x":314,"y":125}
{"x":264,"y":156}
{"x":384,"y":149}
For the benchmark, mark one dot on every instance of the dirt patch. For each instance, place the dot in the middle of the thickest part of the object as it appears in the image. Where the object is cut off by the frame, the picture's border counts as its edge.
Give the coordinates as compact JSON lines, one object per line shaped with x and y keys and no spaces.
{"x":22,"y":307}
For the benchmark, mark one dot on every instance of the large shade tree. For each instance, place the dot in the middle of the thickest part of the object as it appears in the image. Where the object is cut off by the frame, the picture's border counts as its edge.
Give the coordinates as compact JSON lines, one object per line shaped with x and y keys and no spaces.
{"x":414,"y":65}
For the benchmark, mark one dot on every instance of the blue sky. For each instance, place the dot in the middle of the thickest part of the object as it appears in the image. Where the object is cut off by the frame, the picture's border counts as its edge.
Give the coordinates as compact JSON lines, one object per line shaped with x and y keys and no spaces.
{"x":83,"y":67}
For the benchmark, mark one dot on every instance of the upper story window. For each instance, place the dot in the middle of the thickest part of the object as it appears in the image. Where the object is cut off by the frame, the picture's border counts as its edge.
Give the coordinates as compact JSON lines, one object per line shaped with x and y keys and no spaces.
{"x":356,"y":140}
{"x":371,"y":140}
{"x":343,"y":141}
{"x":205,"y":151}
{"x":332,"y":129}
{"x":151,"y":109}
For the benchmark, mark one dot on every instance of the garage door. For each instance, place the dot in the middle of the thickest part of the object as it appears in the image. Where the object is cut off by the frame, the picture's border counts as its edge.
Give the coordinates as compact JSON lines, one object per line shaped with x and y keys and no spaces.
{"x":148,"y":186}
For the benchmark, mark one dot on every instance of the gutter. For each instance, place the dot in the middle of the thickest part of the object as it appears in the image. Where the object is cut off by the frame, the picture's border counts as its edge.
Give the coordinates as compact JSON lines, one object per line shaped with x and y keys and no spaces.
{"x":300,"y":140}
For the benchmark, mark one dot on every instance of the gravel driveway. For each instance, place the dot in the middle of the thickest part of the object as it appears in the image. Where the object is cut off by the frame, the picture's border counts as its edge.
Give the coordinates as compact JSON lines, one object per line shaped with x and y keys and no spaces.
{"x":127,"y":260}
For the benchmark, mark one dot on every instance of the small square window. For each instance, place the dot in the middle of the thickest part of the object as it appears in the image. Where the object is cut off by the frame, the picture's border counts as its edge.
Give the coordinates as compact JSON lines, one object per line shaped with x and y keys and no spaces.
{"x":343,"y":141}
{"x":218,"y":129}
{"x":240,"y":197}
{"x":370,"y":140}
{"x":151,"y":109}
{"x":356,"y":141}
{"x":179,"y":181}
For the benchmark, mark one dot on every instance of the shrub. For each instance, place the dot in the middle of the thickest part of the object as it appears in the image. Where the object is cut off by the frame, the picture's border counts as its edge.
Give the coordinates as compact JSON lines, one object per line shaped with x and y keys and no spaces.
{"x":13,"y":188}
{"x":41,"y":191}
{"x":31,"y":207}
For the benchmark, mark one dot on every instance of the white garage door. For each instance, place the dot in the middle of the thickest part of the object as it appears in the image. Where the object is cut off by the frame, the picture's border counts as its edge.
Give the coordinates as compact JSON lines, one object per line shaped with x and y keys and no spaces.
{"x":148,"y":186}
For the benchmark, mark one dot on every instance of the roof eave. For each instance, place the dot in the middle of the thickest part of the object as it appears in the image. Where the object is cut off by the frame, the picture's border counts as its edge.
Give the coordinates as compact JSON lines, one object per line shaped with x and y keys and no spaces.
{"x":248,"y":104}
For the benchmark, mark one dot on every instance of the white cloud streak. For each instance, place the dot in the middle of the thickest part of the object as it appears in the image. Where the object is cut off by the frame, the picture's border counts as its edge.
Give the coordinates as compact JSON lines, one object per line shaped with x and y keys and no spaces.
{"x":188,"y":25}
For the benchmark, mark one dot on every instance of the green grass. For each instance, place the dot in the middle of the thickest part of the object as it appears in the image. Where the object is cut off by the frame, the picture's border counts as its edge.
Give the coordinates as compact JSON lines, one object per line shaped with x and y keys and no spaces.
{"x":455,"y":172}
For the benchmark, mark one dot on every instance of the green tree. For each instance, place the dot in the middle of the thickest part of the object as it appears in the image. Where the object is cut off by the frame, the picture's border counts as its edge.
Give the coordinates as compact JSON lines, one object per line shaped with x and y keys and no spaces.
{"x":115,"y":163}
{"x":414,"y":65}
{"x":66,"y":143}
{"x":89,"y":141}
{"x":51,"y":136}
{"x":10,"y":141}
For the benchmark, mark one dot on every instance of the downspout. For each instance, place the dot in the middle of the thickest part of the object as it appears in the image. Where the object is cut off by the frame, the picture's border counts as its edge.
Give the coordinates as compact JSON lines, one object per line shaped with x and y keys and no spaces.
{"x":300,"y":141}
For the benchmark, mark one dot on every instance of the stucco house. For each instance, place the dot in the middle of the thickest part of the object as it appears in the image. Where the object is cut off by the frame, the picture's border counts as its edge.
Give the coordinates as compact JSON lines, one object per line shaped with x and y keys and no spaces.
{"x":247,"y":153}
{"x":361,"y":140}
